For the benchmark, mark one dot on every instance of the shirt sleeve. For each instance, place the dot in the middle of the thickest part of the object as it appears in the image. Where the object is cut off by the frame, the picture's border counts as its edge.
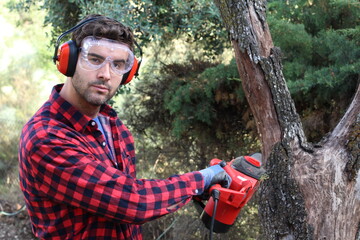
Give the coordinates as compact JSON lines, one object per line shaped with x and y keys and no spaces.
{"x":67,"y":173}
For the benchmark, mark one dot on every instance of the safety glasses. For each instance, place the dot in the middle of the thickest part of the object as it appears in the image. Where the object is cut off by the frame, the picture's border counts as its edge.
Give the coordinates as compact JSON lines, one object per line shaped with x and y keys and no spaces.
{"x":96,"y":53}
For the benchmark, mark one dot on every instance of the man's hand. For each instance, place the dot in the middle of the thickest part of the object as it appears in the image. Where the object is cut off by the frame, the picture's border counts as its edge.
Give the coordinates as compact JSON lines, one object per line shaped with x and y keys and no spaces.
{"x":215,"y":175}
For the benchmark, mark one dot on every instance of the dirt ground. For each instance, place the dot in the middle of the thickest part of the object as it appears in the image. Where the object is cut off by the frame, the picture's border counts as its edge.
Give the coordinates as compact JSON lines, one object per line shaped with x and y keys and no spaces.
{"x":17,"y":226}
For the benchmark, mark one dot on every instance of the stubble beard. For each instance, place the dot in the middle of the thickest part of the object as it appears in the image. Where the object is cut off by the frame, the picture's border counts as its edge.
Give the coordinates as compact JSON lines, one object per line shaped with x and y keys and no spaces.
{"x":83,"y":89}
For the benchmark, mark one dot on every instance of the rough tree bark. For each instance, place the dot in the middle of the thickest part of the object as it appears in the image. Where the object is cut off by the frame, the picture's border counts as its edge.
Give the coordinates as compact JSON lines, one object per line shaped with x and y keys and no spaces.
{"x":312,"y":190}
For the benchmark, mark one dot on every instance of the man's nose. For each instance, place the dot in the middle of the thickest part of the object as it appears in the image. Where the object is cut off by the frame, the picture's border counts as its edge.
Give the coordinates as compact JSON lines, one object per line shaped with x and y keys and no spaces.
{"x":104,"y":71}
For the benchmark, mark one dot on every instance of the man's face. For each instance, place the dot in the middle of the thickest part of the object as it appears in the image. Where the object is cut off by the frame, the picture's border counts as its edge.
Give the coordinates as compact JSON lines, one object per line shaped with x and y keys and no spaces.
{"x":100,"y":68}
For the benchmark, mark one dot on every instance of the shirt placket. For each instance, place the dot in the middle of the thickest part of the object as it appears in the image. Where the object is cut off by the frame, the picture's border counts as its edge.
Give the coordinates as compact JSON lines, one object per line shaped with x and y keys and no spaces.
{"x":100,"y":138}
{"x":119,"y":149}
{"x":110,"y":127}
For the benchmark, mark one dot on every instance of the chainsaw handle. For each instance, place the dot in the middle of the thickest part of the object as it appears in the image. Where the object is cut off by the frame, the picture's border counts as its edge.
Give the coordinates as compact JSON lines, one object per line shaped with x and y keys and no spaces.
{"x":227,"y":190}
{"x":229,"y":196}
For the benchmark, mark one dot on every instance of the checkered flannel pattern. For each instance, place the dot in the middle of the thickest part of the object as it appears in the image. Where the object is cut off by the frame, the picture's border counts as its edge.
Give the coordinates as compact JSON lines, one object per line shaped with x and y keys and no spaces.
{"x":72,"y":188}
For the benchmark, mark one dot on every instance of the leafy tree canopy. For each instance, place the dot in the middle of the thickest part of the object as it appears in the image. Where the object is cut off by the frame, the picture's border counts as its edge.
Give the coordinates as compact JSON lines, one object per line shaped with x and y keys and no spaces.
{"x":151,"y":20}
{"x":321,"y":48}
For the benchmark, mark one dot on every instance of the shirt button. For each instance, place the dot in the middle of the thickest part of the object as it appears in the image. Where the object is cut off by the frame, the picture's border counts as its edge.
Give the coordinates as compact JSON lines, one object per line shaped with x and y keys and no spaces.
{"x":103,"y":144}
{"x":196,"y":191}
{"x":92,"y":123}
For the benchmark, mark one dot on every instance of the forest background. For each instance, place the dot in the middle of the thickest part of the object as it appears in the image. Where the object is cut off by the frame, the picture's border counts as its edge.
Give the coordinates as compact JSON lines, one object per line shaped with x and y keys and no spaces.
{"x":187,"y":106}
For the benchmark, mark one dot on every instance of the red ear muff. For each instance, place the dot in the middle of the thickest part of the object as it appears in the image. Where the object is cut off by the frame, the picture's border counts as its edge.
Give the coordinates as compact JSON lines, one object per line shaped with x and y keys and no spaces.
{"x":127,"y":77}
{"x":67,"y":58}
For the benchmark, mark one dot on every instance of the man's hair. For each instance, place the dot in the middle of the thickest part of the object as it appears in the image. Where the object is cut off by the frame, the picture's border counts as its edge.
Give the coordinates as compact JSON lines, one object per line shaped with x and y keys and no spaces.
{"x":104,"y":27}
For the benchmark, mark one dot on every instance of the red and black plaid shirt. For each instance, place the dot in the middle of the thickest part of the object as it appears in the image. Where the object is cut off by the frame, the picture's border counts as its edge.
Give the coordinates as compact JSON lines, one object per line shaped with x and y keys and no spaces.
{"x":72,"y":188}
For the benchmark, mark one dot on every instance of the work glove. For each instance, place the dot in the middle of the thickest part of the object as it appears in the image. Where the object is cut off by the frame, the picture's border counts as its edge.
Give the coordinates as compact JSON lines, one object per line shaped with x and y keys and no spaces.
{"x":215,"y":175}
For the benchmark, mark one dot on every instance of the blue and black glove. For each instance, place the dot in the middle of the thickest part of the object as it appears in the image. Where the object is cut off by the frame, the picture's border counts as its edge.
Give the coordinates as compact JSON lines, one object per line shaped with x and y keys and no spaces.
{"x":215,"y":175}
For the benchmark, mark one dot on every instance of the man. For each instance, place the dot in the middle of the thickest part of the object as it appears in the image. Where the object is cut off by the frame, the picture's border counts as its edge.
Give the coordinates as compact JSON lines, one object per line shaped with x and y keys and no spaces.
{"x":77,"y":159}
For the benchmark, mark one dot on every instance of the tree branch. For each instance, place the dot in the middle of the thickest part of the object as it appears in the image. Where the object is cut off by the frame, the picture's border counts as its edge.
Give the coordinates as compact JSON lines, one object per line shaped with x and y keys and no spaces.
{"x":351,"y":117}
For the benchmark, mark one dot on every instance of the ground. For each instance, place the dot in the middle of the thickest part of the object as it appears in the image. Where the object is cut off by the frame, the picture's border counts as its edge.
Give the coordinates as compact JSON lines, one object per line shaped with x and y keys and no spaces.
{"x":17,"y":226}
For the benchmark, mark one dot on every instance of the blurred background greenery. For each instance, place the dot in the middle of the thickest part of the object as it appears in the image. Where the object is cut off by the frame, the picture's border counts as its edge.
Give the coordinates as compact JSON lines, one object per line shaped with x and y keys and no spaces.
{"x":187,"y":106}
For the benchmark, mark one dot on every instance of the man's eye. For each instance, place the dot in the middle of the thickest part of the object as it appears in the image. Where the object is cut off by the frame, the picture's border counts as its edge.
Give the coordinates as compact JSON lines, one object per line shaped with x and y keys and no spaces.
{"x":95,"y":60}
{"x":120,"y":65}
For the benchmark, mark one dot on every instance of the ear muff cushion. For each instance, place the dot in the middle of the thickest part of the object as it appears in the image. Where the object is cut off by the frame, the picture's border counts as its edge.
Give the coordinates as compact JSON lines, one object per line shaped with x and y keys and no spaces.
{"x":67,"y":58}
{"x":127,"y":77}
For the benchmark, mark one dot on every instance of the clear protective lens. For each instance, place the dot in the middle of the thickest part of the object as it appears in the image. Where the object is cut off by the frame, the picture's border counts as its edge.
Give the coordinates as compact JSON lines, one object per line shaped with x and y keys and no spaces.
{"x":95,"y":53}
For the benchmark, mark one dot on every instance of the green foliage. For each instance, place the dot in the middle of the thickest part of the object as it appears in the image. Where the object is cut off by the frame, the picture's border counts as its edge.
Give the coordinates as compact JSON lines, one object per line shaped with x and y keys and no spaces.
{"x":151,"y":20}
{"x":164,"y":21}
{"x":296,"y":46}
{"x":191,"y":99}
{"x":320,"y":45}
{"x":8,"y":146}
{"x":317,"y":15}
{"x":24,"y":72}
{"x":331,"y":70}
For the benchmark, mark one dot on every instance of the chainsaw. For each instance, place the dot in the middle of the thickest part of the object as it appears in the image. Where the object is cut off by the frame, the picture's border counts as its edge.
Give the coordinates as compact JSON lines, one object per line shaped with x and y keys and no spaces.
{"x":225,"y":204}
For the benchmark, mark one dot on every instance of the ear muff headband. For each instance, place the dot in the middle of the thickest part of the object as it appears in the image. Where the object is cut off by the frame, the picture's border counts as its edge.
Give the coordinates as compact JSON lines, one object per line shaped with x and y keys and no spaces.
{"x":66,"y":56}
{"x":56,"y":57}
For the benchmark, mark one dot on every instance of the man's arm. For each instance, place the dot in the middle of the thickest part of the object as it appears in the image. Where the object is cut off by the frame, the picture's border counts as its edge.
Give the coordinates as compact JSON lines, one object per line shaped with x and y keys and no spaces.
{"x":67,"y":173}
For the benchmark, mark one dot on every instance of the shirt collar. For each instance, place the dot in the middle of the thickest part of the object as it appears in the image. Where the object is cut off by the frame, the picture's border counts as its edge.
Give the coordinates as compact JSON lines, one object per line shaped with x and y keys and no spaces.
{"x":67,"y":113}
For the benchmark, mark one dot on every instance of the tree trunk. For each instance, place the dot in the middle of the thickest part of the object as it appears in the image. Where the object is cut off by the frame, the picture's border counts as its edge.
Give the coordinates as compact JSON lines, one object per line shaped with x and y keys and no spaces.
{"x":312,"y":191}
